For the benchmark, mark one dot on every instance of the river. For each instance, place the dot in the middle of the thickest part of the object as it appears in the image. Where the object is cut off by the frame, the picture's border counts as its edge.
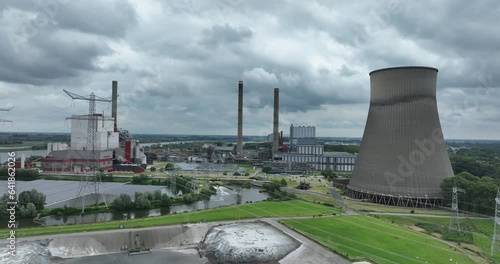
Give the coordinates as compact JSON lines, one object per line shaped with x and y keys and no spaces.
{"x":27,"y":153}
{"x":224,"y":196}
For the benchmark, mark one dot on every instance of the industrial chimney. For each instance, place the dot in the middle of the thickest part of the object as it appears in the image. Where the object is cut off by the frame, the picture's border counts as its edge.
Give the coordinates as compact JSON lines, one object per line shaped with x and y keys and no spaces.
{"x":276,"y":121}
{"x":239,"y":146}
{"x":114,"y":103}
{"x":402,"y":158}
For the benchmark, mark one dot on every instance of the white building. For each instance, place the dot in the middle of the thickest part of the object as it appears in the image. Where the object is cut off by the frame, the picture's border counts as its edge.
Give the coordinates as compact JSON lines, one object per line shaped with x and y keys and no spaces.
{"x":302,"y":132}
{"x":56,"y":146}
{"x":106,"y":138}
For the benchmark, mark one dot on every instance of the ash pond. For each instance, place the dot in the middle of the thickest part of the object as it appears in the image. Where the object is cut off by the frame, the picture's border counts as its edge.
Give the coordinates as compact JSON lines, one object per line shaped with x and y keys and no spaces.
{"x":211,"y":243}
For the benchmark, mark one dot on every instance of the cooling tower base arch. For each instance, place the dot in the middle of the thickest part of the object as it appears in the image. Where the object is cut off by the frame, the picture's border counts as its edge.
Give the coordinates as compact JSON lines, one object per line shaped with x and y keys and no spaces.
{"x":404,"y":201}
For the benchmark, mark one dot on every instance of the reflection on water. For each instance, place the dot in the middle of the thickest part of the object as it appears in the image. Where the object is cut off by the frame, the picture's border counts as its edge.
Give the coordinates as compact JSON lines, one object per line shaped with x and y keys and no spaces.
{"x":225,"y":196}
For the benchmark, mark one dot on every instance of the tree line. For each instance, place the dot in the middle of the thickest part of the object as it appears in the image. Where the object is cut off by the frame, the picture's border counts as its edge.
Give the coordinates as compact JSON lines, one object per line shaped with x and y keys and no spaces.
{"x":478,"y":196}
{"x":21,"y":174}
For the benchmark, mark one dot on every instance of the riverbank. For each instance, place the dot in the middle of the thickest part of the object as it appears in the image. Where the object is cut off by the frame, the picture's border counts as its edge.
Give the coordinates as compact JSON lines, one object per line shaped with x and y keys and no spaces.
{"x":235,"y":212}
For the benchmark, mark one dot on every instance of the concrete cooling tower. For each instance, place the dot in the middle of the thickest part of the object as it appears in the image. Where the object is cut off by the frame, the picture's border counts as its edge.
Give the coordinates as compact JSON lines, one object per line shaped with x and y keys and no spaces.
{"x":402,"y":158}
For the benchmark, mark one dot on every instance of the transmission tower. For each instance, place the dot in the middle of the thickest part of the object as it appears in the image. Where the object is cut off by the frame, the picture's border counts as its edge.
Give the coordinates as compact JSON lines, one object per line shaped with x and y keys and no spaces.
{"x":6,"y":110}
{"x":90,"y":182}
{"x":454,"y":221}
{"x":496,"y":236}
{"x":173,"y":184}
{"x":193,"y":183}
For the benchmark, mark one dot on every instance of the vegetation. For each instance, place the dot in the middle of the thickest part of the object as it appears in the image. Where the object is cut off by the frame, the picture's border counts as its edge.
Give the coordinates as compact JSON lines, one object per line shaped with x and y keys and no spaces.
{"x":152,"y":169}
{"x":21,"y":174}
{"x":141,"y":179}
{"x":254,"y":146}
{"x":243,"y":211}
{"x":267,"y":169}
{"x":475,"y":233}
{"x":342,"y":148}
{"x":32,"y":196}
{"x":304,"y":185}
{"x":28,"y":211}
{"x":479,"y":196}
{"x":3,"y":205}
{"x":329,"y":174}
{"x":122,"y":202}
{"x":275,"y":193}
{"x":360,"y":237}
{"x":283,"y":183}
{"x":479,"y":159}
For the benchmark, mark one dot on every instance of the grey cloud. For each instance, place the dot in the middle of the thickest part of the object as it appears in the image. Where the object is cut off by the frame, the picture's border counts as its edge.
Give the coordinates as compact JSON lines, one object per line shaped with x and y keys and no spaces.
{"x":225,"y":34}
{"x":179,"y":63}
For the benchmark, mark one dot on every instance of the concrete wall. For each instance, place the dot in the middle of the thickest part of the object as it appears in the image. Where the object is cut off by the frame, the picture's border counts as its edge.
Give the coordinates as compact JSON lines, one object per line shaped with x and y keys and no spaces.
{"x":116,"y":240}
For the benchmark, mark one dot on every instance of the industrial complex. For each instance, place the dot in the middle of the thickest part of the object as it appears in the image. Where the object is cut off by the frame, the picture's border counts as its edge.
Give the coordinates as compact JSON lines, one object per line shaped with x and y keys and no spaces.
{"x":114,"y":148}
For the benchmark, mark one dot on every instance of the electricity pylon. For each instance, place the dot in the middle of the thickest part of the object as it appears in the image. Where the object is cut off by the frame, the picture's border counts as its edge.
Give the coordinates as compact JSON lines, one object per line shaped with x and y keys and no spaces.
{"x":92,"y":160}
{"x":6,"y":110}
{"x":496,"y":236}
{"x":454,"y":221}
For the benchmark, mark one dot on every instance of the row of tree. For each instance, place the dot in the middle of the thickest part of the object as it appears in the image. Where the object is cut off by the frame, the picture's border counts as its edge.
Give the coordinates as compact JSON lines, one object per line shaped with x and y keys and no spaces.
{"x":145,"y":200}
{"x":479,"y":195}
{"x":477,"y":158}
{"x":21,"y":174}
{"x":28,"y":203}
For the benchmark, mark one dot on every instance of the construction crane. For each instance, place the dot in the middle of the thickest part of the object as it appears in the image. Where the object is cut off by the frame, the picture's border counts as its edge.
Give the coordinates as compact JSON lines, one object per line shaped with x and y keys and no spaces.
{"x":92,"y":161}
{"x":6,"y":110}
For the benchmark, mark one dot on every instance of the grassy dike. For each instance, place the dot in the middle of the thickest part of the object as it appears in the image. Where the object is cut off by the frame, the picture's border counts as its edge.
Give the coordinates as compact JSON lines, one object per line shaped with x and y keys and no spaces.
{"x":235,"y":212}
{"x":360,"y":237}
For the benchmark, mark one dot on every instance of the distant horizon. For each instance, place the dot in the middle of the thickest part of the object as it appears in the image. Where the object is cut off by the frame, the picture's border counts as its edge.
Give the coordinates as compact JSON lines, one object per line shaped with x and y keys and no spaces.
{"x":221,"y":135}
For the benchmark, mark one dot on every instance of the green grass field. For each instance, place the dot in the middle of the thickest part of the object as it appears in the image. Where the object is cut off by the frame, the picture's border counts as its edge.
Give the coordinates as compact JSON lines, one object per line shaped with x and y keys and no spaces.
{"x":360,"y":237}
{"x":480,"y":229}
{"x":235,"y":212}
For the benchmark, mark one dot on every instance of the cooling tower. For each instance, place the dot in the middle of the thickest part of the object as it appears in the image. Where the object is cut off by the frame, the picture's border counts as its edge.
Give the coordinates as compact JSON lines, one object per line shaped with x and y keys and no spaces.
{"x":239,"y":144}
{"x":402,"y":158}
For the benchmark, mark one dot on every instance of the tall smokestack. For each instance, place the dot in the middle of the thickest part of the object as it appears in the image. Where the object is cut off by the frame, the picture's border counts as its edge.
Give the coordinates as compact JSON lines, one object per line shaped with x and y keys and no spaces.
{"x":276,"y":121}
{"x":114,"y":104}
{"x":239,"y":146}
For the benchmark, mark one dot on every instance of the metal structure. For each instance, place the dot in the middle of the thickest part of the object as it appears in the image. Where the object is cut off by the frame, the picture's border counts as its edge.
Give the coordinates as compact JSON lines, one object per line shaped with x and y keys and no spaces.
{"x":402,"y":158}
{"x":239,"y":145}
{"x":6,"y":110}
{"x":114,"y":104}
{"x":495,"y":245}
{"x":173,"y":183}
{"x":276,"y":116}
{"x":92,"y":159}
{"x":194,"y":185}
{"x":455,"y":220}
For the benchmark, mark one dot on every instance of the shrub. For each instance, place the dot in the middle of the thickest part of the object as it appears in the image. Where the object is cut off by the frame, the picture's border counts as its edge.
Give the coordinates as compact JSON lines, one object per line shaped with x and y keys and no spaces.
{"x":142,"y":202}
{"x":33,"y":196}
{"x":165,"y":200}
{"x":27,"y":212}
{"x":283,"y":182}
{"x":122,"y":202}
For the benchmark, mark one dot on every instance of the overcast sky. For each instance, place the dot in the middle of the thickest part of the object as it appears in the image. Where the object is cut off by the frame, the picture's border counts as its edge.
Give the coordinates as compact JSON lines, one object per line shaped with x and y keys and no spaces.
{"x":178,"y":63}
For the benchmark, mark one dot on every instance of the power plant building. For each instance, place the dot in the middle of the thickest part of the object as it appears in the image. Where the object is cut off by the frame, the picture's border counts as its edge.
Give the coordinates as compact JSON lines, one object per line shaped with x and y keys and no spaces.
{"x":305,"y":149}
{"x":403,"y":157}
{"x":105,"y":136}
{"x":112,"y":146}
